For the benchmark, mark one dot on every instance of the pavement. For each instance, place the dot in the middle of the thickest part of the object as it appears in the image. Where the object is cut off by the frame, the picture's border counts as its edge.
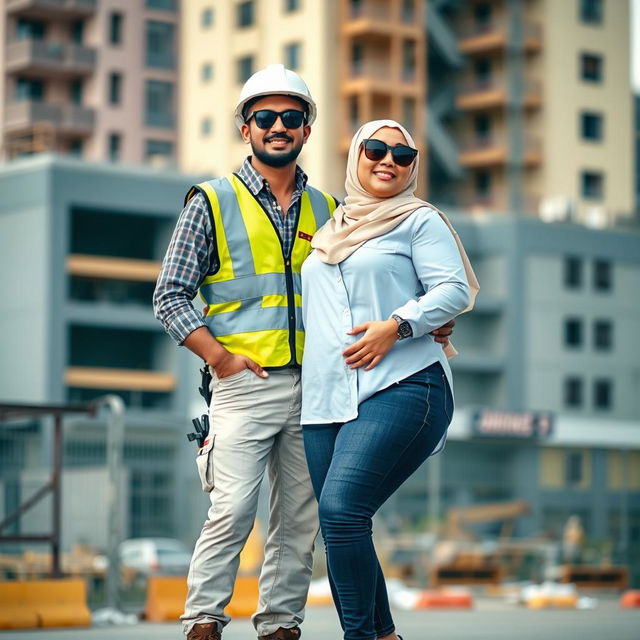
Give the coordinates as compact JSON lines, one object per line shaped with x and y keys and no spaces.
{"x":491,"y":619}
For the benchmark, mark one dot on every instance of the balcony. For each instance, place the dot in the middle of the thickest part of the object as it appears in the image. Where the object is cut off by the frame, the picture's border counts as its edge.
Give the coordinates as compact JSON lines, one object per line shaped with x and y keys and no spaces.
{"x":480,"y":39}
{"x":377,"y":17}
{"x":491,"y":93}
{"x":66,"y":9}
{"x":494,"y":151}
{"x":51,"y":58}
{"x":119,"y":379}
{"x":66,"y":118}
{"x":127,"y":269}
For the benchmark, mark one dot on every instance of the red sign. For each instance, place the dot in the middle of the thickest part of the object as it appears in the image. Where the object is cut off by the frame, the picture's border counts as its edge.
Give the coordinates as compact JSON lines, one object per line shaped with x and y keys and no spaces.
{"x":304,"y":236}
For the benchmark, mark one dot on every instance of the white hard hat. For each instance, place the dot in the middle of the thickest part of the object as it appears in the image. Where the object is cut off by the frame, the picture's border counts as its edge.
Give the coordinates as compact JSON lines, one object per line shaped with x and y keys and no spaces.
{"x":274,"y":80}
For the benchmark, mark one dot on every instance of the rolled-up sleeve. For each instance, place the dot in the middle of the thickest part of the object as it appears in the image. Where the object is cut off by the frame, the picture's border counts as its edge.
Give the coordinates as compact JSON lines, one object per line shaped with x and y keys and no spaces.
{"x":439,"y":267}
{"x":185,"y":265}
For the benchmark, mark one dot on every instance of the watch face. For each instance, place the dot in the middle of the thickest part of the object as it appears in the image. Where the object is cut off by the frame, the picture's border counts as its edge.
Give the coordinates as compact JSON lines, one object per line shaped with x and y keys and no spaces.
{"x":404,"y":330}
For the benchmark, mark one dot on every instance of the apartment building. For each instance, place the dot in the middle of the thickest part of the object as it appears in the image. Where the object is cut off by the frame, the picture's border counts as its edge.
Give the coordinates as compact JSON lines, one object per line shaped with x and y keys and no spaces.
{"x":361,"y":60}
{"x":547,"y":386}
{"x":83,"y":244}
{"x":523,"y":106}
{"x":93,"y":78}
{"x":539,"y":115}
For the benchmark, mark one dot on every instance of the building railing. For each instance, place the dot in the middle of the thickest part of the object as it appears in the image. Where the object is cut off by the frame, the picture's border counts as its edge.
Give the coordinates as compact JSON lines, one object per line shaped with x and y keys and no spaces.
{"x":379,"y":11}
{"x":85,"y":6}
{"x":68,"y":55}
{"x":472,"y":86}
{"x":63,"y":116}
{"x":467,"y":30}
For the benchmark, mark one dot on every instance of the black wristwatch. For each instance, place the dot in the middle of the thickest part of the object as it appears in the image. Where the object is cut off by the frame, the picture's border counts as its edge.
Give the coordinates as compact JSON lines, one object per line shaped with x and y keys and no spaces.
{"x":404,"y":328}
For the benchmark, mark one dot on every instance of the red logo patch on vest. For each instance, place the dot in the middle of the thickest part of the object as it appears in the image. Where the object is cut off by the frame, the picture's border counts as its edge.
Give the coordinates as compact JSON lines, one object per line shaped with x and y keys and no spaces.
{"x":304,"y":236}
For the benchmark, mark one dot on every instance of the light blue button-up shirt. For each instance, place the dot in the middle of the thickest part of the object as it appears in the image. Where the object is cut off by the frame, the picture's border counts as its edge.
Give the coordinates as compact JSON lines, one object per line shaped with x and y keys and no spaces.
{"x":415,"y":271}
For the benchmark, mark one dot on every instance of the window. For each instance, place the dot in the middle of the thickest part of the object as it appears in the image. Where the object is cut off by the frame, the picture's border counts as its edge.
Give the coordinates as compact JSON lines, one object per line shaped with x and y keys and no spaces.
{"x":573,"y":332}
{"x":75,"y":92}
{"x":573,"y":392}
{"x":30,"y":29}
{"x":77,"y":31}
{"x":408,"y":11}
{"x":207,"y":72}
{"x":573,"y":272}
{"x":482,"y":128}
{"x":115,"y":28}
{"x":114,"y":147}
{"x":245,"y":69}
{"x":574,"y":468}
{"x":159,"y":104}
{"x":163,"y":5}
{"x":409,"y":113}
{"x":602,"y":275}
{"x":482,"y":14}
{"x":245,"y":17}
{"x":482,"y":183}
{"x":75,"y":147}
{"x":292,"y":56}
{"x":160,"y":45}
{"x":591,"y":67}
{"x":591,"y":126}
{"x":592,"y":185}
{"x":603,"y":335}
{"x":206,"y":18}
{"x":354,"y":113}
{"x":115,"y":88}
{"x":602,"y":394}
{"x":408,"y":59}
{"x":356,"y":8}
{"x":591,"y":11}
{"x":29,"y":89}
{"x":291,"y":5}
{"x":158,"y":151}
{"x":357,"y":58}
{"x":482,"y":71}
{"x":205,"y":126}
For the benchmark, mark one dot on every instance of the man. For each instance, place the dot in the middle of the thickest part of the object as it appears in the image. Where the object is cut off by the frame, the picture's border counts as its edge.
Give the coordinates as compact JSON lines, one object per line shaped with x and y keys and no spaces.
{"x":240,"y":242}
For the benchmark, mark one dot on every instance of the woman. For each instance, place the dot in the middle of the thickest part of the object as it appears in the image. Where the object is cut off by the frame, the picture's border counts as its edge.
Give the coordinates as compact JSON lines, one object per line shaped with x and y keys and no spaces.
{"x":376,"y":387}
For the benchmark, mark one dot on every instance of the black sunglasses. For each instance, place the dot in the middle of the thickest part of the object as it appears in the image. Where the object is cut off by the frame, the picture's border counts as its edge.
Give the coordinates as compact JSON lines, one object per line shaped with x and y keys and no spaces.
{"x":403,"y":155}
{"x":265,"y":118}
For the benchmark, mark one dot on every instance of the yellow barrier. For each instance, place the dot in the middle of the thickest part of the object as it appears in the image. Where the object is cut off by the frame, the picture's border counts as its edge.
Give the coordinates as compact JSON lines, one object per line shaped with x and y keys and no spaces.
{"x":43,"y":603}
{"x":166,"y":596}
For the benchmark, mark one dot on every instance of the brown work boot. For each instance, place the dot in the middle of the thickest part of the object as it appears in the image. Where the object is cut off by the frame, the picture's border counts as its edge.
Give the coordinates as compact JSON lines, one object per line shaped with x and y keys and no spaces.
{"x":205,"y":631}
{"x":283,"y":634}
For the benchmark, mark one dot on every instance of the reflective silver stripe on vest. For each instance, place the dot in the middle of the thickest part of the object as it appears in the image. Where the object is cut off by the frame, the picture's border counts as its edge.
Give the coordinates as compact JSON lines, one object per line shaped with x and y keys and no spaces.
{"x":251,"y":317}
{"x":319,"y":206}
{"x":234,"y":229}
{"x":248,"y":287}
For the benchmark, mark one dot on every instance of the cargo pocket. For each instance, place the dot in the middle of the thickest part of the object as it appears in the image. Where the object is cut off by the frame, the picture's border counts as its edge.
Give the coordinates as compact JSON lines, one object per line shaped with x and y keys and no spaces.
{"x":204,"y":463}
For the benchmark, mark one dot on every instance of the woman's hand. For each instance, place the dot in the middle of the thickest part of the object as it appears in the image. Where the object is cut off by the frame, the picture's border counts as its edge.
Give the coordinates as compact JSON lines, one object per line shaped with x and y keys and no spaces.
{"x":378,"y":338}
{"x":442,"y":334}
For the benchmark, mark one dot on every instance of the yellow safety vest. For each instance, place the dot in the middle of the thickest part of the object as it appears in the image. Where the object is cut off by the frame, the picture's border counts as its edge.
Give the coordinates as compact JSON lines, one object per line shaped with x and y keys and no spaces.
{"x":254,"y":297}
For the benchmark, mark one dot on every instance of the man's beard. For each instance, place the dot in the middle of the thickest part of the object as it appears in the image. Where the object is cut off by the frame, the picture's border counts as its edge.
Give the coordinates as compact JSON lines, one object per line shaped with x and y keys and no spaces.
{"x":277,"y":159}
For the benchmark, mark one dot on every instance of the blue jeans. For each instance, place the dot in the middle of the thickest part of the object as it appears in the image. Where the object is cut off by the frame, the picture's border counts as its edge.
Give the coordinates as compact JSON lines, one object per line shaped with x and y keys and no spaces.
{"x":355,"y":467}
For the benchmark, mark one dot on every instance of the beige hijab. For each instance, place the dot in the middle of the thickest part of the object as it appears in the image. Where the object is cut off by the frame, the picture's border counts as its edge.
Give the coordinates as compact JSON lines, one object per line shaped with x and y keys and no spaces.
{"x":363,"y":216}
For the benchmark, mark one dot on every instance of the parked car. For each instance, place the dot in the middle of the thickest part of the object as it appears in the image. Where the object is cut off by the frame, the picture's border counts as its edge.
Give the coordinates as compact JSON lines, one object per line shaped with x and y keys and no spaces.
{"x":142,"y":557}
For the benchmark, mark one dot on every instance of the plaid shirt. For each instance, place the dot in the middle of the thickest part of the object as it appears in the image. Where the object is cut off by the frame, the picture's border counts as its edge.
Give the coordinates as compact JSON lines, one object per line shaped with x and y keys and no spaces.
{"x":192,"y":252}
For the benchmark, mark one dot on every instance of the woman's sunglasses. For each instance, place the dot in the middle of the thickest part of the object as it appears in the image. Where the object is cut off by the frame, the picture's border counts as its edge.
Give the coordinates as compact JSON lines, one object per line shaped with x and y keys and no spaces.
{"x":265,"y":118}
{"x":402,"y":154}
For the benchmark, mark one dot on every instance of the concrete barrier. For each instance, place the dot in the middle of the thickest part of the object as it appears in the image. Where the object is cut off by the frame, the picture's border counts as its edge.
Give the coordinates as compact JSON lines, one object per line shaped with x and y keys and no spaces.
{"x":43,"y":603}
{"x":444,"y":599}
{"x":16,"y":612}
{"x":166,"y":596}
{"x":630,"y":600}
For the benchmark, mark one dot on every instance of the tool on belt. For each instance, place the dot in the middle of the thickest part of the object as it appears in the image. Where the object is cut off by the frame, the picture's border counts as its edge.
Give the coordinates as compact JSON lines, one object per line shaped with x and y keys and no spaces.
{"x":201,"y":424}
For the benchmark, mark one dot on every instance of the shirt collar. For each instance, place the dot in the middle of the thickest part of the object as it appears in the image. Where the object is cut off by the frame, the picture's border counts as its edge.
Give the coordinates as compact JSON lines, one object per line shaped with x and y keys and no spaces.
{"x":257,"y":182}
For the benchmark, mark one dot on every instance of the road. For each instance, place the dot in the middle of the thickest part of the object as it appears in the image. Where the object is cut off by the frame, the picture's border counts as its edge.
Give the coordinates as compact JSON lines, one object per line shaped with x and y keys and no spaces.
{"x":489,"y":620}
